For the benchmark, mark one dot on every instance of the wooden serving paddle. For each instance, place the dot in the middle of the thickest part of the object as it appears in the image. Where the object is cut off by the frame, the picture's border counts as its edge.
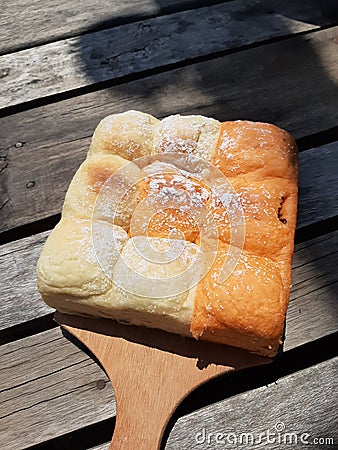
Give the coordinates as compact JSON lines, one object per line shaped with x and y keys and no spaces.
{"x":151,"y":372}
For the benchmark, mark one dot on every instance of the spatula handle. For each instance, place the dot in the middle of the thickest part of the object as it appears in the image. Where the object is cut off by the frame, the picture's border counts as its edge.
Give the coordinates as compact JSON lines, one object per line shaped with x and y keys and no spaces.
{"x":151,"y":372}
{"x":137,"y":429}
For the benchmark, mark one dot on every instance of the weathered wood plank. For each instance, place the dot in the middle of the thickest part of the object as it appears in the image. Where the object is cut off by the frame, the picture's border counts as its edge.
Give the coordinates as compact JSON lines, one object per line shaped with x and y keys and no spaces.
{"x":19,"y":299}
{"x":313,"y":308}
{"x":49,"y":387}
{"x":303,"y":403}
{"x":317,"y":201}
{"x":25,"y":25}
{"x":313,"y":294}
{"x":44,"y":377}
{"x":56,"y":392}
{"x":41,"y":148}
{"x":318,"y":184}
{"x":95,"y":57}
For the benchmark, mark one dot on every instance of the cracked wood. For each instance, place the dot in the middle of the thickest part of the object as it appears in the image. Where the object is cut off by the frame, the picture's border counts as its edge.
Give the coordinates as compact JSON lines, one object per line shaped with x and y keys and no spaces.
{"x":117,"y":52}
{"x":26,"y":25}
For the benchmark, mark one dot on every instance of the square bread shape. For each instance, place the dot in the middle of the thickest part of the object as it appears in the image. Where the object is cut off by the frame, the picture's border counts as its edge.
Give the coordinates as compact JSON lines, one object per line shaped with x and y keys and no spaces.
{"x":147,"y":236}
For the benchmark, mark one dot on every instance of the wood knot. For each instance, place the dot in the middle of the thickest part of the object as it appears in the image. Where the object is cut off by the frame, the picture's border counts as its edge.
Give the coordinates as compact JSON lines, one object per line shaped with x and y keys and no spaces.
{"x":4,"y":72}
{"x":143,"y":27}
{"x":101,"y":384}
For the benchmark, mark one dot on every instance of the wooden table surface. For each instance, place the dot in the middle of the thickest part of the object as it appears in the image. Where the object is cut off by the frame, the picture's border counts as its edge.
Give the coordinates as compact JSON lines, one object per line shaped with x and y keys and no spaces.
{"x":66,"y":65}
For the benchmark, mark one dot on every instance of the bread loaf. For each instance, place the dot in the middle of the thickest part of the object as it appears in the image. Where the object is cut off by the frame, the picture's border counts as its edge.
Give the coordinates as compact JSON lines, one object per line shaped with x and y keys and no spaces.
{"x":185,"y":224}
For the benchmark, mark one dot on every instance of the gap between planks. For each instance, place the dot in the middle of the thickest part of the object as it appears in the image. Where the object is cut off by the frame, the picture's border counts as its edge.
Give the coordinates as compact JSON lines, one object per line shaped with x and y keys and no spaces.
{"x":312,"y":295}
{"x":40,"y":149}
{"x":317,"y":201}
{"x":46,"y":377}
{"x":303,"y":403}
{"x":93,"y":58}
{"x":61,"y":402}
{"x":46,"y":196}
{"x":236,"y":404}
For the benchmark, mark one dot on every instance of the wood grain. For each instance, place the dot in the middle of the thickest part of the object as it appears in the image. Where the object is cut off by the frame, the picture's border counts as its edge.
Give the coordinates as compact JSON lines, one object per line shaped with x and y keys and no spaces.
{"x":43,"y":147}
{"x":313,"y":308}
{"x":318,"y":184}
{"x":26,"y":203}
{"x":25,"y":25}
{"x":43,"y":378}
{"x":313,"y":293}
{"x":304,"y":402}
{"x":52,"y":387}
{"x":316,"y":201}
{"x":48,"y":387}
{"x":310,"y":409}
{"x":142,"y":365}
{"x":20,"y":300}
{"x":128,"y":49}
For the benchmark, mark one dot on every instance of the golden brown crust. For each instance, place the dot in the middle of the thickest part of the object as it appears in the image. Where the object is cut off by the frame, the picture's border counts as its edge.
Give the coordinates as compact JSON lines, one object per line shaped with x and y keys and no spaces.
{"x":250,"y":302}
{"x":245,"y":147}
{"x":248,"y":310}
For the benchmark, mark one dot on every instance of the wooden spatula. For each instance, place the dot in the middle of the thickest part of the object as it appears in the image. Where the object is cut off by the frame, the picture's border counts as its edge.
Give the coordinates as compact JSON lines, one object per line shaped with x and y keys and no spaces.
{"x":151,"y":372}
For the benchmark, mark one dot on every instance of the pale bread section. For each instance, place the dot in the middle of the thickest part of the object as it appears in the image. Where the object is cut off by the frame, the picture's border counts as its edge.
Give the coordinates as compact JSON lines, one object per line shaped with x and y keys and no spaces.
{"x":152,"y":278}
{"x":193,"y":135}
{"x":103,"y":281}
{"x":70,"y":263}
{"x":129,"y":135}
